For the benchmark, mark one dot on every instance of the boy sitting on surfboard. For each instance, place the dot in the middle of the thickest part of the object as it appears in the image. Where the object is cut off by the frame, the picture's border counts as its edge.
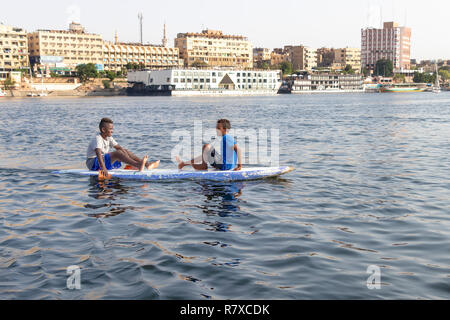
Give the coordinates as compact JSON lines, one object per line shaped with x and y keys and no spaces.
{"x":99,"y":156}
{"x":224,"y":154}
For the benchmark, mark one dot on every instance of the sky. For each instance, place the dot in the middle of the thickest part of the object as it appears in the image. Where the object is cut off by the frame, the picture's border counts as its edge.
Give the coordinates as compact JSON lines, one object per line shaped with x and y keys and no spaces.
{"x":269,"y":24}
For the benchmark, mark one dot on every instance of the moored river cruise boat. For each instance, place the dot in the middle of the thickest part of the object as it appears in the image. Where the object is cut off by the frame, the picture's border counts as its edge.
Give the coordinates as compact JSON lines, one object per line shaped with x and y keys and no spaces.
{"x":203,"y":82}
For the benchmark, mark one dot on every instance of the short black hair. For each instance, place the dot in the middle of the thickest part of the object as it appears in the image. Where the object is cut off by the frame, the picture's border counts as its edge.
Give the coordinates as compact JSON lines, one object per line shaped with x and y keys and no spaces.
{"x":103,"y":122}
{"x":226,"y":124}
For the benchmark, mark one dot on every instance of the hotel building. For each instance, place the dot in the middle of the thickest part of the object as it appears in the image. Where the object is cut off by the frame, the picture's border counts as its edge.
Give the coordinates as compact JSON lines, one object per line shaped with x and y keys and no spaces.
{"x":65,"y":49}
{"x":117,"y":55}
{"x":214,"y":49}
{"x":13,"y":48}
{"x":392,"y":43}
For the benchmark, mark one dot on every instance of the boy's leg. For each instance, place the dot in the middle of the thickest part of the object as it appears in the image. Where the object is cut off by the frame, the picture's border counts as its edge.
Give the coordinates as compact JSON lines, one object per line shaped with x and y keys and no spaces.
{"x":195,"y":162}
{"x":148,"y":165}
{"x":124,"y":157}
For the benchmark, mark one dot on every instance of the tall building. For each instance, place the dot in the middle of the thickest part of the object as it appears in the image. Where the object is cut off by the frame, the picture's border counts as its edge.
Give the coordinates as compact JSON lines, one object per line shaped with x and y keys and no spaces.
{"x":65,"y":49}
{"x":325,"y":57}
{"x":392,"y":43}
{"x":117,"y":55}
{"x":260,"y":56}
{"x":278,"y":56}
{"x":13,"y":48}
{"x":302,"y":57}
{"x":348,"y":56}
{"x":215,"y":49}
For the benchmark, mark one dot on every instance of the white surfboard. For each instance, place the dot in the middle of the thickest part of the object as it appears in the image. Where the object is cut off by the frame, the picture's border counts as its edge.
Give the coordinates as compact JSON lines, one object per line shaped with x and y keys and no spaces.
{"x":167,"y":174}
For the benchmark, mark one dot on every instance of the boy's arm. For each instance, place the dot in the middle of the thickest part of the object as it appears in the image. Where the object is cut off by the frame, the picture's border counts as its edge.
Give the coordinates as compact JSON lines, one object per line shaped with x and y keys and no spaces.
{"x":118,"y":147}
{"x":100,"y":161}
{"x":239,"y":156}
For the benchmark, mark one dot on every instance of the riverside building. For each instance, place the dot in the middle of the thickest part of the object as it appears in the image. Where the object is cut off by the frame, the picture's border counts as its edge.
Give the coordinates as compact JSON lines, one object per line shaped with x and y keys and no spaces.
{"x":13,"y":48}
{"x":392,"y":42}
{"x":117,"y":55}
{"x":348,"y":56}
{"x":302,"y":58}
{"x":214,"y":49}
{"x":63,"y":50}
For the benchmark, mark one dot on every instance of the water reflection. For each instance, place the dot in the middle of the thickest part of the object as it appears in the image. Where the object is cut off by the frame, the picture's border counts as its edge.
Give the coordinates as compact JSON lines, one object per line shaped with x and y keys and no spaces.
{"x":222,"y":199}
{"x":107,"y":190}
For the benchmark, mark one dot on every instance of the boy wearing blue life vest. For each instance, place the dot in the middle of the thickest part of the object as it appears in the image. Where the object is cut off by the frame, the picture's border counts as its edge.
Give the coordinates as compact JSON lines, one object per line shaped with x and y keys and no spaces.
{"x":223,"y":154}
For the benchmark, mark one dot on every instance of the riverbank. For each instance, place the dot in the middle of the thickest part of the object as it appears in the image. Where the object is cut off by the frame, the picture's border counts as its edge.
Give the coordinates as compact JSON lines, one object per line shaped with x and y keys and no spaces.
{"x":68,"y":87}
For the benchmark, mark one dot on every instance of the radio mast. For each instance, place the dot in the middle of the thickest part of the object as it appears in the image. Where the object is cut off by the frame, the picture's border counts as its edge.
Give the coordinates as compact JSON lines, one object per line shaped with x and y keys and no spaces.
{"x":140,"y":17}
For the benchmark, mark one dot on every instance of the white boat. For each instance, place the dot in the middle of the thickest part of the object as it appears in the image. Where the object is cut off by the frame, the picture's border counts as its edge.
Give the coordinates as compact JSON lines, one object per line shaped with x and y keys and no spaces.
{"x":437,"y":86}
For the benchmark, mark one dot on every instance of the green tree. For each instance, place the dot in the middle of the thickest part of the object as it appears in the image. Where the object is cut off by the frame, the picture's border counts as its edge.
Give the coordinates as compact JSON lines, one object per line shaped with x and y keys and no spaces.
{"x":263,"y":65}
{"x":286,"y":68}
{"x":365,"y":72}
{"x":444,"y":74}
{"x":86,"y":71}
{"x":421,"y":77}
{"x":9,"y":84}
{"x":349,"y":70}
{"x":400,"y":78}
{"x":199,"y":64}
{"x":385,"y":68}
{"x":106,"y":84}
{"x":132,"y":66}
{"x":111,"y":75}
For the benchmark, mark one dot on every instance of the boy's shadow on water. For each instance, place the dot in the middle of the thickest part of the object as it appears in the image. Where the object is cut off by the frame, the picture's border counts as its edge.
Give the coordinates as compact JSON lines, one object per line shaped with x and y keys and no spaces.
{"x":107,"y":190}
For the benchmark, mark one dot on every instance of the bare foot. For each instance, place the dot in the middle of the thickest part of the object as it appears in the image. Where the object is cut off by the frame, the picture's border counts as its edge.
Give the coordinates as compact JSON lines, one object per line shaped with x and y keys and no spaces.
{"x":144,"y":161}
{"x":181,"y":164}
{"x":153,"y":165}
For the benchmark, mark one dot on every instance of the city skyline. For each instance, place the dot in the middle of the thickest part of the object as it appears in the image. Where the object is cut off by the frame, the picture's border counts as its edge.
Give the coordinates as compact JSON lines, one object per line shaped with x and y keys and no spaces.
{"x":328,"y":24}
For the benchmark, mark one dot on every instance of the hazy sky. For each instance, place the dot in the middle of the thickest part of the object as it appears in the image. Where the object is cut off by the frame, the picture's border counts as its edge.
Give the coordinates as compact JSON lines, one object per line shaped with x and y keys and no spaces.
{"x":270,"y":24}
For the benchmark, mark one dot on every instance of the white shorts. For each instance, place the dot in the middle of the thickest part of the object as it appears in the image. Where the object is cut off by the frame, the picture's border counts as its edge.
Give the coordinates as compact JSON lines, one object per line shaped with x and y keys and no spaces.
{"x":214,"y":159}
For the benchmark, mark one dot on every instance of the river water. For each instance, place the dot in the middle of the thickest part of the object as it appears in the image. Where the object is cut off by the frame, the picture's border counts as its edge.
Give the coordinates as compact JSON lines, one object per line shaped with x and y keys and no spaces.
{"x":370,"y":190}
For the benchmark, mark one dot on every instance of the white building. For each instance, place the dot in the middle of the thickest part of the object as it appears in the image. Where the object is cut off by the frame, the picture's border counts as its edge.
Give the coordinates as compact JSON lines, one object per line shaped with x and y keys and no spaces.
{"x":204,"y":82}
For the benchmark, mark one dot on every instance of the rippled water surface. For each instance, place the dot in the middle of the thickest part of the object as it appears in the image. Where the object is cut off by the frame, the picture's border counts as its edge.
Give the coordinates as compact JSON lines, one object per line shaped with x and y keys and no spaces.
{"x":371,"y":187}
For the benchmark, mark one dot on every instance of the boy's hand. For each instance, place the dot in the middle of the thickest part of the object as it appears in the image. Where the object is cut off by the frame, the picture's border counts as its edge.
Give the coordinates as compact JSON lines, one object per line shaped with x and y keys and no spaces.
{"x":238,"y":168}
{"x":105,"y":172}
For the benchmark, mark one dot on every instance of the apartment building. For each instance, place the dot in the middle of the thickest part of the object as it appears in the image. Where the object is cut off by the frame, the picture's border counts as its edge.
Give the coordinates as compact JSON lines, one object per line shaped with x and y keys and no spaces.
{"x":215,"y":49}
{"x":302,"y":57}
{"x":13,"y":48}
{"x":325,"y":57}
{"x":348,"y":56}
{"x":65,"y":48}
{"x":261,"y":55}
{"x":392,"y":42}
{"x":117,"y":55}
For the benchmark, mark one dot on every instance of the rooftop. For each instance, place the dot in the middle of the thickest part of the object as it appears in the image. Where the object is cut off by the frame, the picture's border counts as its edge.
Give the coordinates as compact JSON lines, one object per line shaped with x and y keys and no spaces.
{"x":212,"y":34}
